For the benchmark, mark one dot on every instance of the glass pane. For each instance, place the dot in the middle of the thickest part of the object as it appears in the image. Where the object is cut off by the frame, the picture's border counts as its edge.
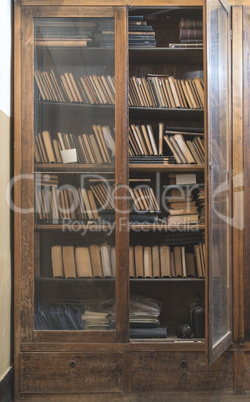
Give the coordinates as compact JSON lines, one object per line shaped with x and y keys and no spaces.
{"x":219,"y":194}
{"x":74,"y":150}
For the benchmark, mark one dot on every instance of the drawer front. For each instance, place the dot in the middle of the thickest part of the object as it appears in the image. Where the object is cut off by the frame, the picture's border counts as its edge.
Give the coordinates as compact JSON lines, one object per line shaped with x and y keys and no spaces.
{"x":178,"y":371}
{"x":71,"y":372}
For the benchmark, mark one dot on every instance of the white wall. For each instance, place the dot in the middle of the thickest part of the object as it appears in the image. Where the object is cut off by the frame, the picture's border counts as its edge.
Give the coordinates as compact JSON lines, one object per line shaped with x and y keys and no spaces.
{"x":5,"y":127}
{"x":5,"y":51}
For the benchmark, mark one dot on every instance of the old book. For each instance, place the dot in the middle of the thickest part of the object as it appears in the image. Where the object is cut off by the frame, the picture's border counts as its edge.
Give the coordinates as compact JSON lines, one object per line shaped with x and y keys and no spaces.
{"x":174,"y":152}
{"x":61,"y":42}
{"x":190,"y":265}
{"x":42,"y":150}
{"x":67,"y":88}
{"x":139,"y":268}
{"x":148,"y":269}
{"x":57,"y":262}
{"x":106,"y":260}
{"x":171,"y":81}
{"x":156,"y":262}
{"x":165,"y":261}
{"x":96,"y":261}
{"x":178,"y":149}
{"x":183,"y":211}
{"x":202,"y":259}
{"x":198,"y":261}
{"x":48,"y":147}
{"x":131,"y":262}
{"x":95,"y":149}
{"x":183,"y":219}
{"x":172,"y":263}
{"x":83,"y":262}
{"x":183,"y":261}
{"x":161,"y":130}
{"x":183,"y":146}
{"x":40,"y":85}
{"x":87,"y":203}
{"x":69,"y":262}
{"x":178,"y":261}
{"x":152,"y":139}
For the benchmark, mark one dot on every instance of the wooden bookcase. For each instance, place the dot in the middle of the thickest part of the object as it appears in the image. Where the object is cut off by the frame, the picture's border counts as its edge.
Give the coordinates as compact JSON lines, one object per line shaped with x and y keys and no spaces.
{"x":107,"y":361}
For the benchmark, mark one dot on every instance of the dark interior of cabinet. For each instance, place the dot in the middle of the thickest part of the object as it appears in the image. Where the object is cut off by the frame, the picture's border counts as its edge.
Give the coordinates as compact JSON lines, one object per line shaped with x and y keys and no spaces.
{"x":173,"y":294}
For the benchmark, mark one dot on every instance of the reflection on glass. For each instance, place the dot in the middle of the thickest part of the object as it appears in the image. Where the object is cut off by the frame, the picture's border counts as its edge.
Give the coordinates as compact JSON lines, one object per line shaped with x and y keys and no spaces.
{"x":218,"y":153}
{"x":74,"y":153}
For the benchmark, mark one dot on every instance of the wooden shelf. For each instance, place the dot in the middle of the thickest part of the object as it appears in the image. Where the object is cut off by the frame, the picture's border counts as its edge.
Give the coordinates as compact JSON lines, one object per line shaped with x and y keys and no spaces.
{"x":133,"y":227}
{"x":170,"y":113}
{"x":147,"y":167}
{"x":74,"y":168}
{"x":50,"y":279}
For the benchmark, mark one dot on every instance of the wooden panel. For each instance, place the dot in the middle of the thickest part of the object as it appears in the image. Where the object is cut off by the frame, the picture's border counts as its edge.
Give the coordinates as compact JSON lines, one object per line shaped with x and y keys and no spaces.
{"x":182,"y":372}
{"x":246,"y":123}
{"x":72,"y":372}
{"x":140,"y":3}
{"x":121,"y":163}
{"x":238,"y":201}
{"x":247,"y":371}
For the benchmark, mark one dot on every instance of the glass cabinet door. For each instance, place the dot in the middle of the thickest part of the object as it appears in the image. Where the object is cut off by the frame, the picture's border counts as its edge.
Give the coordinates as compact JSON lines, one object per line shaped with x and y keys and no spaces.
{"x":74,"y":141}
{"x":219,"y":286}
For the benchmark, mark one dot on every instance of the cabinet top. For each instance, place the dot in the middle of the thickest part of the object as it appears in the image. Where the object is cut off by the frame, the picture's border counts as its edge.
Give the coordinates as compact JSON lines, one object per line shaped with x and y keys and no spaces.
{"x":138,"y":3}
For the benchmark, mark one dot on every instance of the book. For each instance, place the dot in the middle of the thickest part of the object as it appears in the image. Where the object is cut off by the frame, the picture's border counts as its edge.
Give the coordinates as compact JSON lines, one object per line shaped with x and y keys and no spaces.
{"x":156,"y":262}
{"x":106,"y":260}
{"x":83,"y":262}
{"x":131,"y":262}
{"x":57,"y":262}
{"x":139,"y":266}
{"x":190,"y":264}
{"x":165,"y":261}
{"x":69,"y":262}
{"x":96,"y":261}
{"x":178,"y":261}
{"x":148,"y":268}
{"x":113,"y":261}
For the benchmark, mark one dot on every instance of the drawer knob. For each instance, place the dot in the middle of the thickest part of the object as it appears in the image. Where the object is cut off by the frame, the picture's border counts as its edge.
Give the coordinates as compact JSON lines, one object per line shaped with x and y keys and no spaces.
{"x":183,"y":363}
{"x":72,"y":363}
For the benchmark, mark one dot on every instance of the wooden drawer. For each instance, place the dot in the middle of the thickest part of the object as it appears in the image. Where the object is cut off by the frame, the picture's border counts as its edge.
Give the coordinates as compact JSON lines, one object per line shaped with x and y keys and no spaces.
{"x":178,"y":371}
{"x":71,"y":372}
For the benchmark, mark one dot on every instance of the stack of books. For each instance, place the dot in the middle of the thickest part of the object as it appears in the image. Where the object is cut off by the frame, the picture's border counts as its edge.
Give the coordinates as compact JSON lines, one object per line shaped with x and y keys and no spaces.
{"x":200,"y":202}
{"x":141,"y":35}
{"x":62,"y":32}
{"x":95,"y":320}
{"x":191,"y":34}
{"x":186,"y":150}
{"x":181,"y":205}
{"x":144,"y":319}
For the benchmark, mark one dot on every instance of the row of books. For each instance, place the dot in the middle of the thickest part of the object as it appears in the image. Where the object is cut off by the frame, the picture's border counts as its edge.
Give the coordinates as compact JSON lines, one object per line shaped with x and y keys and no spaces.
{"x":150,"y":91}
{"x":144,"y":261}
{"x":190,"y":34}
{"x":184,"y":150}
{"x":166,"y":92}
{"x":96,"y":148}
{"x":142,"y":197}
{"x":89,"y":89}
{"x":140,"y":35}
{"x":57,"y":204}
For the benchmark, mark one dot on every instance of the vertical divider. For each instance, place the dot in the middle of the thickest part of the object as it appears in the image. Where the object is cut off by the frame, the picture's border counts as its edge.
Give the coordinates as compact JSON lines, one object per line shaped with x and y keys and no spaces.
{"x":238,"y":167}
{"x":27,"y":170}
{"x":122,"y":175}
